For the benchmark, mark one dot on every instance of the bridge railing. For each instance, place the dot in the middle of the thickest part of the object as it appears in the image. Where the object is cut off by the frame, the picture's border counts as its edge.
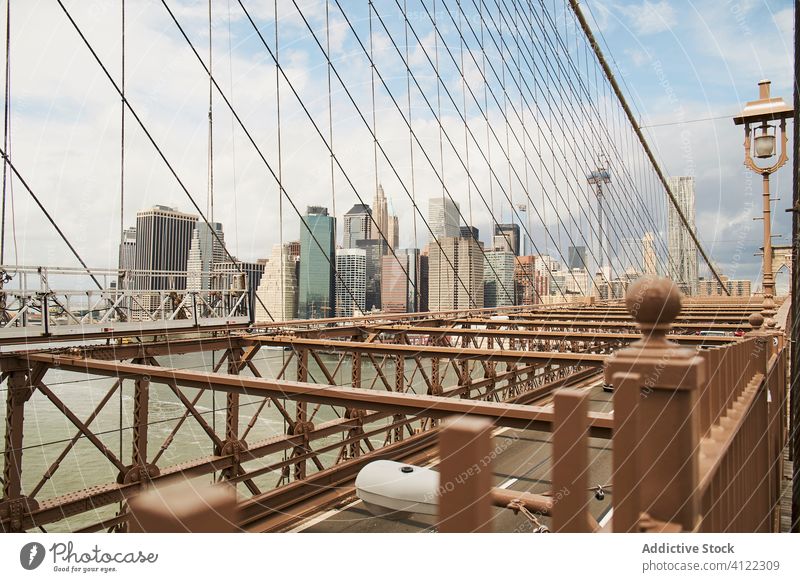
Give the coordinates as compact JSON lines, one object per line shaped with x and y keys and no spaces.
{"x":66,"y":301}
{"x":698,"y":434}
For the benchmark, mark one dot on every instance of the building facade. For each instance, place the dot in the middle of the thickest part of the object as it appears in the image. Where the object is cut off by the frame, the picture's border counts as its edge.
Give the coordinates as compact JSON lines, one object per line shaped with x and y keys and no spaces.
{"x":374,"y":249}
{"x":455,"y":274}
{"x":205,"y":250}
{"x":278,"y":288}
{"x":401,"y":282}
{"x":498,"y":278}
{"x":163,"y":238}
{"x":351,"y":268}
{"x":317,"y":293}
{"x":380,"y":211}
{"x":736,"y":287}
{"x":127,"y":258}
{"x":357,"y":225}
{"x":649,"y":261}
{"x":530,"y":284}
{"x":506,"y":237}
{"x":682,"y":250}
{"x":577,"y":258}
{"x":469,"y":232}
{"x":443,"y":218}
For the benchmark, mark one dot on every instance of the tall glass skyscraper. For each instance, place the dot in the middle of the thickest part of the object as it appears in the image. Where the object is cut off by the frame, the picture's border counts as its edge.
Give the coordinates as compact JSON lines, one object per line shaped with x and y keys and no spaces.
{"x":317,"y":297}
{"x":682,"y":250}
{"x":443,"y":217}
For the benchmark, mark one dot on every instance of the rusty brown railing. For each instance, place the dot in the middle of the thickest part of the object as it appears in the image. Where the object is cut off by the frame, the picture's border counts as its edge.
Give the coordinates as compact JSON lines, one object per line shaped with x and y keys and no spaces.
{"x":698,"y":434}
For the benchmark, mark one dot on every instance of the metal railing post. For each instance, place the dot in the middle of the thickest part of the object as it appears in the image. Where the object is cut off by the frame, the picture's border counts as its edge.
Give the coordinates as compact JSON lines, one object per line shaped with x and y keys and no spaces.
{"x":668,"y":414}
{"x":465,"y":481}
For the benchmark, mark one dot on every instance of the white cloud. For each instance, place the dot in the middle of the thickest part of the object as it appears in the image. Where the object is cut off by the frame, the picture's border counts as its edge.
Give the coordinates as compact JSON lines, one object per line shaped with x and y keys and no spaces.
{"x":652,"y":17}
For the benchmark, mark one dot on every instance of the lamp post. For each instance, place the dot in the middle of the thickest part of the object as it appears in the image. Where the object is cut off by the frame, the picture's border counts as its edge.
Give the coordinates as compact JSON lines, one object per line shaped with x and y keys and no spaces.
{"x":597,"y":178}
{"x":756,"y":118}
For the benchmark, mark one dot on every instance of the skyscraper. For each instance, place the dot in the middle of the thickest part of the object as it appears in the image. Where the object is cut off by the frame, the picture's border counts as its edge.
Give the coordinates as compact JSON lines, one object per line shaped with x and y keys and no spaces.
{"x":498,"y":278}
{"x":469,"y":232}
{"x":576,"y":258}
{"x":278,"y":287}
{"x":506,"y":237}
{"x":205,"y":250}
{"x":529,"y":283}
{"x":374,"y":249}
{"x":649,"y":255}
{"x":455,"y":275}
{"x":443,"y":218}
{"x":127,"y":258}
{"x":394,"y":232}
{"x":317,"y":296}
{"x":380,"y":212}
{"x":351,"y":266}
{"x":682,"y":250}
{"x":400,"y":282}
{"x":357,"y":225}
{"x":163,"y":237}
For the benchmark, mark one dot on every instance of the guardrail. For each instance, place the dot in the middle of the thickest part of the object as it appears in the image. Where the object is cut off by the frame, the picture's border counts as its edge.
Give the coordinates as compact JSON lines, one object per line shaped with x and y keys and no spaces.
{"x":698,"y":434}
{"x":52,"y":302}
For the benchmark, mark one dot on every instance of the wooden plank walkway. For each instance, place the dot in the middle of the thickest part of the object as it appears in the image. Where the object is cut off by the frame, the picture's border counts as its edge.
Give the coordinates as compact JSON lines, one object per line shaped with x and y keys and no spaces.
{"x":786,"y":492}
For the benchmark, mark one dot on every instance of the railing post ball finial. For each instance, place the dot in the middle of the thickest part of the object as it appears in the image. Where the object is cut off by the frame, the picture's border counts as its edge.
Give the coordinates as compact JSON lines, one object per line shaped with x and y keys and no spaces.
{"x":756,"y":320}
{"x":654,"y":303}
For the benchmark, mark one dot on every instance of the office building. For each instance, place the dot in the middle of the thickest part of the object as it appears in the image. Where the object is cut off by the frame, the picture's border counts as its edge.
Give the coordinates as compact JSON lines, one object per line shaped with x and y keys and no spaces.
{"x":443,"y":218}
{"x":736,"y":287}
{"x":317,"y":294}
{"x":424,"y":281}
{"x":469,"y":232}
{"x":374,"y":249}
{"x":577,"y":258}
{"x":682,"y":250}
{"x":351,"y":269}
{"x":400,"y":282}
{"x":394,"y":232}
{"x":278,"y":288}
{"x":530,"y":284}
{"x":357,"y":225}
{"x":578,"y":282}
{"x":127,"y":258}
{"x":205,"y":250}
{"x":649,"y":261}
{"x":506,"y":237}
{"x":380,"y":212}
{"x":498,"y":278}
{"x":163,"y":238}
{"x":455,"y":276}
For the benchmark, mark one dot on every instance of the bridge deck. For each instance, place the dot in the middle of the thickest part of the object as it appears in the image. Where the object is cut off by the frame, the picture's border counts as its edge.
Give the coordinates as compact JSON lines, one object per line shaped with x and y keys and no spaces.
{"x":523,"y":465}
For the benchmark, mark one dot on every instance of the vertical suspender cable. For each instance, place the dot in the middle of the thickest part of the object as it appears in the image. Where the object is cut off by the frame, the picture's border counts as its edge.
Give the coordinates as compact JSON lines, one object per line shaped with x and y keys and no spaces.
{"x":210,"y":207}
{"x":6,"y":114}
{"x":233,"y":137}
{"x":621,"y":97}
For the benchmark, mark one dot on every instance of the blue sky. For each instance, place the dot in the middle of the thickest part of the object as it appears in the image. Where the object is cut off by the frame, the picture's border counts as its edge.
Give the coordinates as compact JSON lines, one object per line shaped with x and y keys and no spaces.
{"x":679,"y":61}
{"x":689,"y":60}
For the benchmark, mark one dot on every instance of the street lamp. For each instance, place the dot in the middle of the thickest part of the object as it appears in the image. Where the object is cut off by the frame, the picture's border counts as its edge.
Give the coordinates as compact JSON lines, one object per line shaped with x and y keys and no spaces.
{"x":762,"y":119}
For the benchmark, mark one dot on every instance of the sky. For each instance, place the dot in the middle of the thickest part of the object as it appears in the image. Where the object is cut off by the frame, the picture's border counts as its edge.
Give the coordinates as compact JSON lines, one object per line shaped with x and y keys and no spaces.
{"x":683,"y":61}
{"x":678,"y":61}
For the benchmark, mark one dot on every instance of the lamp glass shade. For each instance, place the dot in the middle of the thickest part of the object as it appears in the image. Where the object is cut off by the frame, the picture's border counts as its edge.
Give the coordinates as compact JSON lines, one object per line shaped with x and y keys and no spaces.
{"x":765,"y":146}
